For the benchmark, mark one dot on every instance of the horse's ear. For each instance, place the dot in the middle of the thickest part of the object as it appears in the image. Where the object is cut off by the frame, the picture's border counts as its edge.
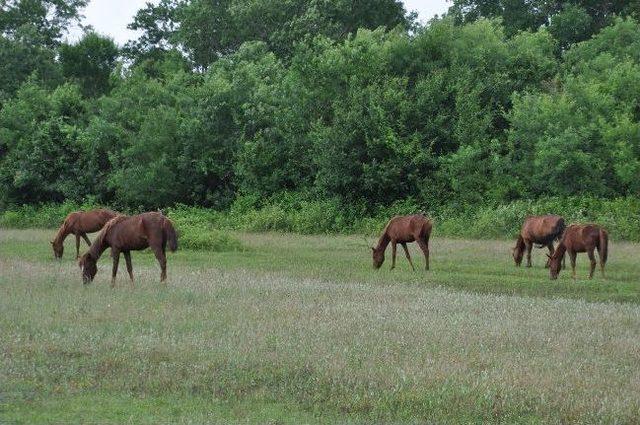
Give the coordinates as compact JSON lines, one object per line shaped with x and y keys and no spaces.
{"x":548,"y":255}
{"x":372,"y":248}
{"x":51,"y":242}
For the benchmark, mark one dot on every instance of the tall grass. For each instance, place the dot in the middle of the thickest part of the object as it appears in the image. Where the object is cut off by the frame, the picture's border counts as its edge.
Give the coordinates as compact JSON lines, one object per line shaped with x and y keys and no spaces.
{"x":304,"y":326}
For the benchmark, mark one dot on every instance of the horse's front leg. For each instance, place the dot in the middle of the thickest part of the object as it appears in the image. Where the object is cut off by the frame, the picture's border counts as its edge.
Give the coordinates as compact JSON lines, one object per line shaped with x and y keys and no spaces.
{"x":77,"y":246}
{"x":529,"y":247}
{"x":114,"y":271}
{"x":86,"y":239}
{"x":406,"y":252}
{"x":572,"y":257}
{"x":393,"y":255}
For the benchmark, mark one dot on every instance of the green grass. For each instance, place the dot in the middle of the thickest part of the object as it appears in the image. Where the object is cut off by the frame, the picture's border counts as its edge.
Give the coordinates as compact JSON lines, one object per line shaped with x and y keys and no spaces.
{"x":301,"y":329}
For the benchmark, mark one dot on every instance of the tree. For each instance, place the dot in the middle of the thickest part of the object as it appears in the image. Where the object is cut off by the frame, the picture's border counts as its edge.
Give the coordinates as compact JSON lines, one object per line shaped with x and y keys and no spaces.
{"x":528,"y":15}
{"x":47,"y":18}
{"x":209,"y":29}
{"x":90,"y":63}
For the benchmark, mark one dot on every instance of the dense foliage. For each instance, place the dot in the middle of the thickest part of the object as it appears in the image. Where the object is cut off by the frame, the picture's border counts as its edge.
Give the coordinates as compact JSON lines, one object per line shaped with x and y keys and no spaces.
{"x":346,"y":104}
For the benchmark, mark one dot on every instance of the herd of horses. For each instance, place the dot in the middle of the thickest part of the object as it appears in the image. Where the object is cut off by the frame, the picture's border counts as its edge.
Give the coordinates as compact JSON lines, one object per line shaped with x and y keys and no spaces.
{"x":541,"y":231}
{"x":123,"y":234}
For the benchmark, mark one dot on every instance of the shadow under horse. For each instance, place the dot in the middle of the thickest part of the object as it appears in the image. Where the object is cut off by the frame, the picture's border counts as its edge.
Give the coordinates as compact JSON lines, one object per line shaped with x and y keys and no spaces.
{"x":124,"y":234}
{"x":402,"y":230}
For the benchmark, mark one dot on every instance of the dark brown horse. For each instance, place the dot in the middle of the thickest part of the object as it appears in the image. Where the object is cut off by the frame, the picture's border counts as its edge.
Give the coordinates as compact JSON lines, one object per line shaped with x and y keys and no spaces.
{"x":581,"y":238}
{"x":401,"y":230}
{"x":124,"y":234}
{"x":538,"y":229}
{"x":80,"y":223}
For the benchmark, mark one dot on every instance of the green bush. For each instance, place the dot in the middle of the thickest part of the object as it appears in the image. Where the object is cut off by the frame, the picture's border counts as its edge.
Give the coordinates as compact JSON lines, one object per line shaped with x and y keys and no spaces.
{"x":202,"y":228}
{"x":196,"y":230}
{"x":208,"y":239}
{"x":621,"y":217}
{"x":45,"y":216}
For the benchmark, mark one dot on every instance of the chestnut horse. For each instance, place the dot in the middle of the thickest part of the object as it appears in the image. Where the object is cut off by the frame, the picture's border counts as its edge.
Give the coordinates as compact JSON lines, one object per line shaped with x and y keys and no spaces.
{"x":400,"y":230}
{"x":80,"y":223}
{"x":538,"y":229}
{"x":581,"y":238}
{"x":135,"y":233}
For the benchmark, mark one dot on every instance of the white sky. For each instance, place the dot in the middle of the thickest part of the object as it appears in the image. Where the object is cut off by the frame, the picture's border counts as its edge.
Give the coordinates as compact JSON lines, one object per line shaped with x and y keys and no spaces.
{"x":111,"y":17}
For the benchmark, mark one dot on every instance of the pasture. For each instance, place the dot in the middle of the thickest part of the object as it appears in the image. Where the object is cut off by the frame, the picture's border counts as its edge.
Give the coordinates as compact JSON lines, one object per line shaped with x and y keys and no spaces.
{"x":301,"y":329}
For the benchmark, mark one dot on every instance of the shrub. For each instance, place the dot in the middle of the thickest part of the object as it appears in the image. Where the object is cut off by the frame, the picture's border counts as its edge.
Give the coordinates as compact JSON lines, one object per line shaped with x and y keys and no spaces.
{"x":202,"y":228}
{"x":196,"y":230}
{"x":46,"y":216}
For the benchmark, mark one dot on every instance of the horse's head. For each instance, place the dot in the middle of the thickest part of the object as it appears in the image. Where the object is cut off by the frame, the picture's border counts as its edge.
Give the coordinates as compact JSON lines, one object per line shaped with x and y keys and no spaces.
{"x":58,"y":249}
{"x":89,"y":267}
{"x":554,"y":266}
{"x":517,"y":254}
{"x":378,"y":257}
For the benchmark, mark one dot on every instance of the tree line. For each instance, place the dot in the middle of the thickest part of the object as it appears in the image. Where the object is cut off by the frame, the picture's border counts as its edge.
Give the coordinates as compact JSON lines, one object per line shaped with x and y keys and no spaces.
{"x":351,"y":101}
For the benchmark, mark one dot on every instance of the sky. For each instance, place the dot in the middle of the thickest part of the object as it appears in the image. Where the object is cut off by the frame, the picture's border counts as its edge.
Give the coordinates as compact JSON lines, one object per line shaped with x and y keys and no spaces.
{"x":111,"y":17}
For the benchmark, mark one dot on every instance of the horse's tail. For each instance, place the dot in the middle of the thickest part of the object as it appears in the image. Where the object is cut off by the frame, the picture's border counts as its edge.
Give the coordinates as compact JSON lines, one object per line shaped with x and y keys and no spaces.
{"x":604,"y":245}
{"x":170,"y":235}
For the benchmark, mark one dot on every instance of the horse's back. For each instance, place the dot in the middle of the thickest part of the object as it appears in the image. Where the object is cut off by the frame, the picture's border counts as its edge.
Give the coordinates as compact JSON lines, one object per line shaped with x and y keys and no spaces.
{"x":407,"y":227}
{"x":581,"y":237}
{"x":542,"y":228}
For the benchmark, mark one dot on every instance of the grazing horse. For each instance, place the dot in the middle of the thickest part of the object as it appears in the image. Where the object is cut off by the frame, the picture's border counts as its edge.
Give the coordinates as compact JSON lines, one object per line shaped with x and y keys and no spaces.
{"x":581,"y":238}
{"x":80,"y":223}
{"x":130,"y":233}
{"x":403,"y":229}
{"x":538,"y":229}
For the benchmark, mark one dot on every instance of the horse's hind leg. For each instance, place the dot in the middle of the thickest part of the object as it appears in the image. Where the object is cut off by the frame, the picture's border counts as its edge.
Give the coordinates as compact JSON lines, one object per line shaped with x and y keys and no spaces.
{"x":393,"y":255}
{"x":406,"y":251}
{"x":551,"y":250}
{"x":592,"y":259}
{"x":601,"y":262}
{"x":86,"y":239}
{"x":424,"y":246}
{"x":127,"y":257}
{"x":114,"y":271}
{"x":162,"y":260}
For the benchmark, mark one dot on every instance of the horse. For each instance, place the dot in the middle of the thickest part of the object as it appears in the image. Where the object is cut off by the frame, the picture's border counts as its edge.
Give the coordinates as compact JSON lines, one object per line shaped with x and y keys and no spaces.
{"x":538,"y":229}
{"x":403,"y":229}
{"x":80,"y":223}
{"x":580,"y":238}
{"x":124,"y":234}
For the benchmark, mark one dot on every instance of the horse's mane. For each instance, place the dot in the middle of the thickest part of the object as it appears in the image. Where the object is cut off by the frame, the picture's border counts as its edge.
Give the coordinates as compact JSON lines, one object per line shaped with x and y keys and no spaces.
{"x":99,"y":241}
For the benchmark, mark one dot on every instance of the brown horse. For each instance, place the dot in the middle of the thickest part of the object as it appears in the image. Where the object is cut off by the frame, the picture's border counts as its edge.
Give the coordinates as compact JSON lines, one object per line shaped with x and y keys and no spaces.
{"x":538,"y":229}
{"x":80,"y":223}
{"x":124,"y":234}
{"x":581,"y":238}
{"x":403,"y":229}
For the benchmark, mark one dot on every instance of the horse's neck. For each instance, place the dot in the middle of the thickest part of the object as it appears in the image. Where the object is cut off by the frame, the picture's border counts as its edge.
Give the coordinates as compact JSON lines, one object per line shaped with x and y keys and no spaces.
{"x":63,"y":231}
{"x":520,"y":243}
{"x":98,"y":247}
{"x":560,"y":250}
{"x":383,"y":242}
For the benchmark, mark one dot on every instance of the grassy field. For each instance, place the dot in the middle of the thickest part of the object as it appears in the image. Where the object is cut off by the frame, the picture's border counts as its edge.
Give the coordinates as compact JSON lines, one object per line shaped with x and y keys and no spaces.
{"x":301,"y":329}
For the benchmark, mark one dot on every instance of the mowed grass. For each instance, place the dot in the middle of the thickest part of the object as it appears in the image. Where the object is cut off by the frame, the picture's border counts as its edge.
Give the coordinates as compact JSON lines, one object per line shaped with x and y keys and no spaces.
{"x":300,"y":329}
